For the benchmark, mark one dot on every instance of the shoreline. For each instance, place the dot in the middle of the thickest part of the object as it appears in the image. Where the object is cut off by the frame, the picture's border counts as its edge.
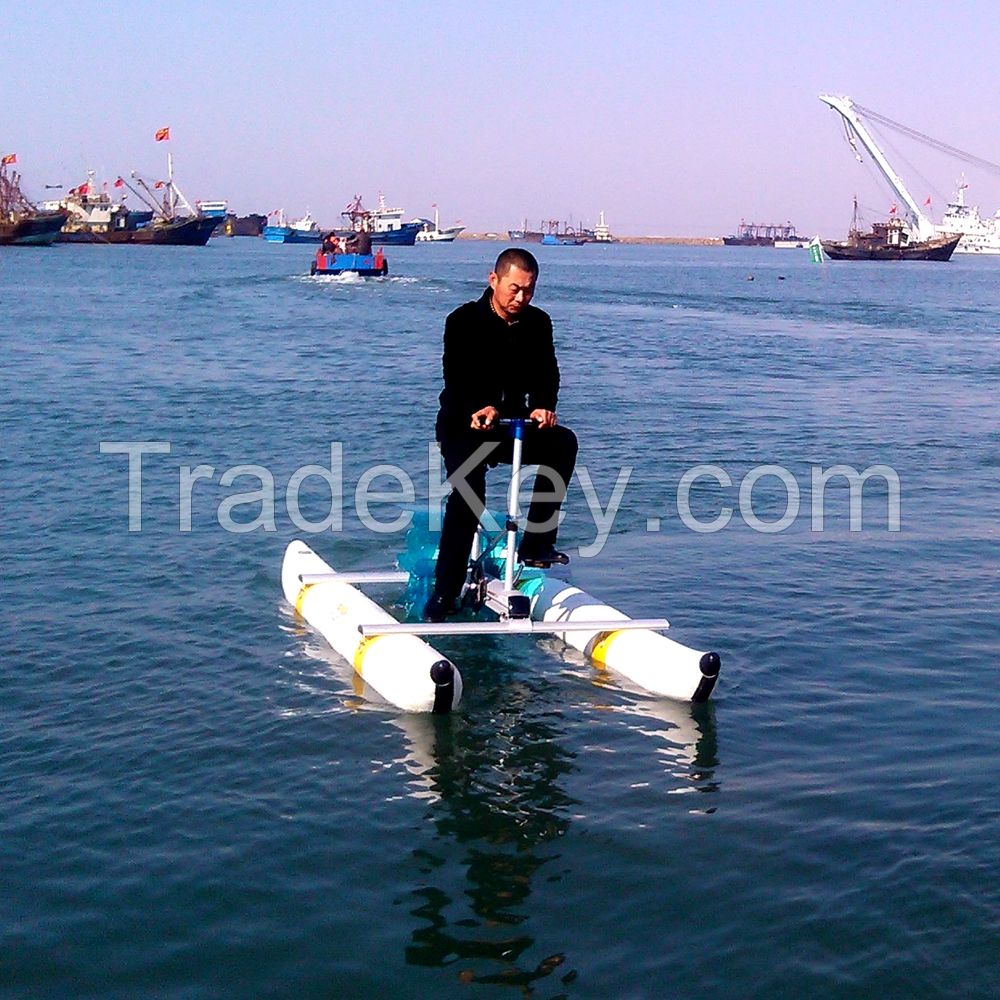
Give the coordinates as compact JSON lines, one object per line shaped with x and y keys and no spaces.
{"x":685,"y":241}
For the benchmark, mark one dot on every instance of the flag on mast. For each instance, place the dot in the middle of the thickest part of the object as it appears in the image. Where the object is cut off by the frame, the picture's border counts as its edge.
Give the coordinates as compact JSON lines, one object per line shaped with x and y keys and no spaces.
{"x":162,"y":134}
{"x":8,"y":159}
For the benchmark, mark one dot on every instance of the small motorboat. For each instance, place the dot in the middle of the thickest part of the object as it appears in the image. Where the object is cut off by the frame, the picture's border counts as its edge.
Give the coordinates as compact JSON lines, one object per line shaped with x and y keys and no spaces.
{"x":367,"y":265}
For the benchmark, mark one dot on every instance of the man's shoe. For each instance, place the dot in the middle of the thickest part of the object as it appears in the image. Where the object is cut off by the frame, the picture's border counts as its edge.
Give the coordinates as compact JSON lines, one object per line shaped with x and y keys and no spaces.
{"x":436,"y":609}
{"x":544,"y":558}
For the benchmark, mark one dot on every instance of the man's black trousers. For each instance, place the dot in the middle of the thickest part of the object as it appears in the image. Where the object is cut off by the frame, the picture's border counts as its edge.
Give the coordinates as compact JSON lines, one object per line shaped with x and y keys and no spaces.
{"x":554,"y":449}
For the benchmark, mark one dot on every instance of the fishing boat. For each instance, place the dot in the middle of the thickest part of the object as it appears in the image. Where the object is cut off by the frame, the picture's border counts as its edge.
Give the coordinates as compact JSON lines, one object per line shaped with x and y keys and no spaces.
{"x":385,"y":225}
{"x":367,"y":265}
{"x":21,"y":223}
{"x":890,"y":240}
{"x":168,"y":218}
{"x":393,"y":659}
{"x":976,"y":234}
{"x":433,"y":233}
{"x":303,"y":230}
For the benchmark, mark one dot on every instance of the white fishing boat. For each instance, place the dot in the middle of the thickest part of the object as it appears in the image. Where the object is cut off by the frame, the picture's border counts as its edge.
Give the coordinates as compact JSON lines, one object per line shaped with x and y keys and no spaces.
{"x":978,"y":235}
{"x":385,"y":225}
{"x":433,"y":233}
{"x":392,"y":658}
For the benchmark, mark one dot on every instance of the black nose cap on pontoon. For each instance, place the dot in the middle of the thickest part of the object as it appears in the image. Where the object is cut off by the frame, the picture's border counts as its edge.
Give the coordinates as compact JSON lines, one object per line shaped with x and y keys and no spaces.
{"x":443,"y":675}
{"x":709,"y":664}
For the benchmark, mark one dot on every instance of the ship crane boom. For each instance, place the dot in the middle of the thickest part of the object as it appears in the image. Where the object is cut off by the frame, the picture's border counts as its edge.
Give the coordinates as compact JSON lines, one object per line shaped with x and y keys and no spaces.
{"x":923,"y":227}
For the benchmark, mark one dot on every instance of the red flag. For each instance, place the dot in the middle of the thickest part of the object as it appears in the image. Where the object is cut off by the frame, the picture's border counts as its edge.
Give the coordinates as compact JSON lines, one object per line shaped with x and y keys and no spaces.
{"x":892,"y":211}
{"x":119,"y":183}
{"x":9,"y":158}
{"x":83,"y":189}
{"x":928,"y":201}
{"x":162,"y":134}
{"x":159,"y":184}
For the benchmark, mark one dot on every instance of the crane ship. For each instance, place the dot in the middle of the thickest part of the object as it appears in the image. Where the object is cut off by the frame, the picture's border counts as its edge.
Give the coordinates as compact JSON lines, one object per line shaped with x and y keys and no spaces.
{"x":976,"y":235}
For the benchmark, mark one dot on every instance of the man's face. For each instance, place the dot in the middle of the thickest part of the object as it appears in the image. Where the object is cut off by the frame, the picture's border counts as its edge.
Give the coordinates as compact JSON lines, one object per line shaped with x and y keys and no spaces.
{"x":512,"y":292}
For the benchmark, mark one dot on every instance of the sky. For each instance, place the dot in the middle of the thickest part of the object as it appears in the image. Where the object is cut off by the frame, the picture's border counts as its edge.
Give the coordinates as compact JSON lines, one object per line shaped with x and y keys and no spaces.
{"x":675,"y":118}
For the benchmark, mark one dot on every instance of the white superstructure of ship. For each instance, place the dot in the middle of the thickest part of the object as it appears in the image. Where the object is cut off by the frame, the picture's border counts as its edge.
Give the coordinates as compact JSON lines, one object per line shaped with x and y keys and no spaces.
{"x":602,"y":233}
{"x":979,"y":235}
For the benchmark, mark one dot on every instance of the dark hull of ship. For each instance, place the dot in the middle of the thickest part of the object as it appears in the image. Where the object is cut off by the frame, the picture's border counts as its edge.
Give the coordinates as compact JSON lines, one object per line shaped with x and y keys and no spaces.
{"x":182,"y":233}
{"x":939,"y":248}
{"x":748,"y":241}
{"x":570,"y":237}
{"x":242,"y":225}
{"x":39,"y":230}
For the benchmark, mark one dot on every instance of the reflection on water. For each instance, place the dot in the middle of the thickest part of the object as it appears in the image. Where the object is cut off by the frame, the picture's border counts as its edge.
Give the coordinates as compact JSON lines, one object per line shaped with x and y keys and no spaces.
{"x":497,"y":797}
{"x":494,"y":778}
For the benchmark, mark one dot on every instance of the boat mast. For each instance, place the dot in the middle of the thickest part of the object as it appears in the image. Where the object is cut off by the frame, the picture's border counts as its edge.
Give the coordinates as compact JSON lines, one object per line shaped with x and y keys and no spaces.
{"x":923,"y":227}
{"x":175,"y":194}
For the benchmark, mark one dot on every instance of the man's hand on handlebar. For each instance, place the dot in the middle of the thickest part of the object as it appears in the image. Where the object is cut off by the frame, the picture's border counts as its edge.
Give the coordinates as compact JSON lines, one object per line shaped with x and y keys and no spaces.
{"x":544,"y":418}
{"x":484,"y":419}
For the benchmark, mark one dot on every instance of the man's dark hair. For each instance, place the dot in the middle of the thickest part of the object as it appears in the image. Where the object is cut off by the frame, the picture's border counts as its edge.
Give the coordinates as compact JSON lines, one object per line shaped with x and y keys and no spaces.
{"x":515,"y":257}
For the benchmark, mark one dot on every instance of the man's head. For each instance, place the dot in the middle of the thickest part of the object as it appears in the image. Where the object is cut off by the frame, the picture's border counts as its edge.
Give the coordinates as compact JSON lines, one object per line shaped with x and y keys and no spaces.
{"x":513,"y":282}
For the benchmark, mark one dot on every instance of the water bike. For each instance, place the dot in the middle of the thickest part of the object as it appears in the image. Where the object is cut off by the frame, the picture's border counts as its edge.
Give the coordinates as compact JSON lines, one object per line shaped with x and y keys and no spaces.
{"x":393,"y":658}
{"x":368,"y":265}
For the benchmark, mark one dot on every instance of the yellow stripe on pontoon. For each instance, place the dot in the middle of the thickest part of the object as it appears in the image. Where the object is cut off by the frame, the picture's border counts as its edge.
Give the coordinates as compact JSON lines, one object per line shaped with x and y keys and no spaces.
{"x":362,"y":650}
{"x":302,"y":596}
{"x":599,"y":652}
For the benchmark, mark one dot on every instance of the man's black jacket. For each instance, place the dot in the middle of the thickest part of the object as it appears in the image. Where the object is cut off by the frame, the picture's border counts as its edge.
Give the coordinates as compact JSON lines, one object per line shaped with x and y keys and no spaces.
{"x":488,"y":362}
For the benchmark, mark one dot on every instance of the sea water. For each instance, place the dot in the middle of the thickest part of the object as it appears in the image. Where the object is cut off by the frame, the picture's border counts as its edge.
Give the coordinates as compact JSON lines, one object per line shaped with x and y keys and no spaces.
{"x":199,"y":800}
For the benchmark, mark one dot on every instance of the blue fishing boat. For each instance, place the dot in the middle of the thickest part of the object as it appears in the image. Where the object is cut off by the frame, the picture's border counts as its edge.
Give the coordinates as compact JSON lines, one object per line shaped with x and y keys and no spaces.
{"x":367,"y":265}
{"x":562,"y":240}
{"x":304,"y":230}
